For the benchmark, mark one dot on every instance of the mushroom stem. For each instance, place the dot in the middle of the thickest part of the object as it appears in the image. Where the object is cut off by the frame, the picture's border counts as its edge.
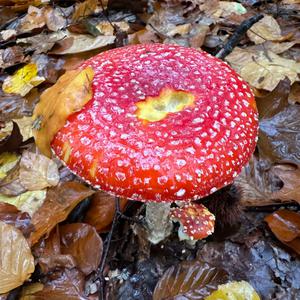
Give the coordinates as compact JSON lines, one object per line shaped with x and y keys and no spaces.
{"x":158,"y":222}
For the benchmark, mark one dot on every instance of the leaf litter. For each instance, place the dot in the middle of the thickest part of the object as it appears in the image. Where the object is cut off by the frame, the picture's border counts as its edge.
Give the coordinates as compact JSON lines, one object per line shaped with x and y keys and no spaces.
{"x":40,"y":41}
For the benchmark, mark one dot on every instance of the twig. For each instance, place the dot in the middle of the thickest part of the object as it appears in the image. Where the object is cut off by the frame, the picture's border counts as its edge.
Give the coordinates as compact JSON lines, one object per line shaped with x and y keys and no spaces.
{"x":237,"y":35}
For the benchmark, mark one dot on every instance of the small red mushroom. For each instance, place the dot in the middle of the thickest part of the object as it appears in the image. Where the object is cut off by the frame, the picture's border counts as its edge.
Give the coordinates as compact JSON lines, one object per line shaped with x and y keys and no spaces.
{"x":165,"y":123}
{"x":196,"y":221}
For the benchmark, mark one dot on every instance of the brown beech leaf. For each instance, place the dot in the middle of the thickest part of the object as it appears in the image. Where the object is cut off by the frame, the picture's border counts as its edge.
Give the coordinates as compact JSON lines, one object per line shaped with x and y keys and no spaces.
{"x":189,"y":280}
{"x":16,"y":260}
{"x":49,"y":254}
{"x":58,"y":204}
{"x":37,"y":171}
{"x":101,"y":211}
{"x":285,"y":224}
{"x":83,"y":243}
{"x":279,"y":126}
{"x":9,"y":214}
{"x":70,"y":93}
{"x":67,"y":284}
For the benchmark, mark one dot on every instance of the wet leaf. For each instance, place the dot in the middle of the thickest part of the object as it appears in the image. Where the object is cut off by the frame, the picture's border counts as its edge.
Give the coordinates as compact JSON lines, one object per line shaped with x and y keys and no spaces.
{"x":16,"y":260}
{"x":58,"y":204}
{"x":9,"y":214}
{"x":285,"y":224}
{"x":234,"y":291}
{"x":83,"y":243}
{"x":13,"y":141}
{"x":37,"y":171}
{"x":27,"y":202}
{"x":23,"y":81}
{"x":279,"y":127}
{"x":263,"y":69}
{"x":189,"y":280}
{"x":267,"y":29}
{"x":67,"y":96}
{"x":101,"y":211}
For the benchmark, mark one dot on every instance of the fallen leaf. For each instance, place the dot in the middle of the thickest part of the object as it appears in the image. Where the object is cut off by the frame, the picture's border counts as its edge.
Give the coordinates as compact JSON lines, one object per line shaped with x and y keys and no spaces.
{"x":9,"y":214}
{"x":189,"y":280}
{"x":77,"y":43}
{"x":107,"y":28}
{"x":294,"y":95}
{"x":84,"y":9}
{"x":7,"y":162}
{"x":28,"y":202}
{"x":101,"y":211}
{"x":58,"y":204}
{"x":11,"y":56}
{"x":16,"y":260}
{"x":267,"y":29}
{"x":25,"y":126}
{"x":29,"y":290}
{"x":34,"y":19}
{"x":234,"y":290}
{"x":71,"y":92}
{"x":83,"y":243}
{"x":229,"y":7}
{"x":55,"y":19}
{"x":22,"y":81}
{"x":37,"y":171}
{"x":285,"y":224}
{"x":12,"y":141}
{"x":263,"y":69}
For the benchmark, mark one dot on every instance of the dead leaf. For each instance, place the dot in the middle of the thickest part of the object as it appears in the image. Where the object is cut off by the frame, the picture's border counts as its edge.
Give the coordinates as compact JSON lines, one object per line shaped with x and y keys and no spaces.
{"x":101,"y":211}
{"x":107,"y":28}
{"x":263,"y":69}
{"x":285,"y":224}
{"x":229,"y":7}
{"x":37,"y":171}
{"x":16,"y":260}
{"x":55,"y":20}
{"x":23,"y":81}
{"x":294,"y":96}
{"x":34,"y":18}
{"x":71,"y":92}
{"x":12,"y":56}
{"x":29,"y":290}
{"x":9,"y":214}
{"x":84,"y":244}
{"x":84,"y":9}
{"x":58,"y":204}
{"x":12,"y":141}
{"x":267,"y":29}
{"x":7,"y":162}
{"x":189,"y":280}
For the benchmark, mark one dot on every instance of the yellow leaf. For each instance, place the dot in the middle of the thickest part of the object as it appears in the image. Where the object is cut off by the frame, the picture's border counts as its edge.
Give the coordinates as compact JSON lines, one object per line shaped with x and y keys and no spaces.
{"x":16,"y":260}
{"x":28,"y":202}
{"x":22,"y":81}
{"x":71,"y":92}
{"x":7,"y":162}
{"x":236,"y":290}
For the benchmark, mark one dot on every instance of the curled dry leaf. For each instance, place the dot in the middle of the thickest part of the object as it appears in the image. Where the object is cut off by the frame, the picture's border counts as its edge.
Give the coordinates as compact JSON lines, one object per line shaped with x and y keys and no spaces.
{"x":58,"y":204}
{"x":9,"y":214}
{"x":37,"y":171}
{"x":189,"y":280}
{"x":267,"y":29}
{"x":16,"y":260}
{"x":71,"y":92}
{"x":101,"y":211}
{"x":285,"y":224}
{"x":23,"y":81}
{"x":263,"y":69}
{"x":84,"y":244}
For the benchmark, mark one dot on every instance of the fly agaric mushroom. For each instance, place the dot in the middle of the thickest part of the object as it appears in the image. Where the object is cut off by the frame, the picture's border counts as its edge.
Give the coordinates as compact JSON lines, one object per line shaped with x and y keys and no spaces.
{"x":196,"y":221}
{"x":165,"y":123}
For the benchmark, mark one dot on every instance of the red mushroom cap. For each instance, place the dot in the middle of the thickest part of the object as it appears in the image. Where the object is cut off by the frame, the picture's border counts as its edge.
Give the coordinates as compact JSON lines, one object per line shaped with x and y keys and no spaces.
{"x":197,"y":221}
{"x":165,"y":123}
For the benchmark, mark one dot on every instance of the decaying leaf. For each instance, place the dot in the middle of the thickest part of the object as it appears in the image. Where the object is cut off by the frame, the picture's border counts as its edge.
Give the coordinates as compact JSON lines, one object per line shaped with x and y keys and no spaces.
{"x":11,"y":56}
{"x":285,"y":224}
{"x":84,"y":9}
{"x":189,"y":280}
{"x":37,"y":171}
{"x":9,"y":214}
{"x":234,"y":290}
{"x":12,"y":141}
{"x":34,"y":18}
{"x":263,"y":69}
{"x":27,"y":202}
{"x":58,"y":204}
{"x":22,"y":81}
{"x":267,"y":29}
{"x":16,"y":260}
{"x":55,"y":19}
{"x":101,"y":211}
{"x":294,"y":96}
{"x":83,"y":243}
{"x":67,"y":96}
